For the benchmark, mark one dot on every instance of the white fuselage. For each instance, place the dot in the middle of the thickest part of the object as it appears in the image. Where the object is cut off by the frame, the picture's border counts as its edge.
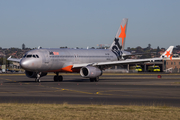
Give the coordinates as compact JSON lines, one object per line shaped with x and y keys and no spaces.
{"x":55,"y":59}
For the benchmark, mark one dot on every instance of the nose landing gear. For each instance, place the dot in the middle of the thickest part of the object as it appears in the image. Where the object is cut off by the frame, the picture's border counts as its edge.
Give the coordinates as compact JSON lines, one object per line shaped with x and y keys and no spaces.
{"x":37,"y":79}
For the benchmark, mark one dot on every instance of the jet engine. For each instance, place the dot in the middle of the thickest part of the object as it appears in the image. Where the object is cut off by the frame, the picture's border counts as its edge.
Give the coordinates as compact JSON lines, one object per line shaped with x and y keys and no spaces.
{"x":34,"y":74}
{"x":90,"y":72}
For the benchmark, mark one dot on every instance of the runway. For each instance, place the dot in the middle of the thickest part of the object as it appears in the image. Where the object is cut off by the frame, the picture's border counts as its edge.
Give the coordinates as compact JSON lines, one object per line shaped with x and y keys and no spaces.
{"x":116,"y":89}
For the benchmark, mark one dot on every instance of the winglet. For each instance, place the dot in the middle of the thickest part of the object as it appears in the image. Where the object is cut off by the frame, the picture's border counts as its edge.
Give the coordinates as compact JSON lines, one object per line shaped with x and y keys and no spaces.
{"x":9,"y":57}
{"x":168,"y":53}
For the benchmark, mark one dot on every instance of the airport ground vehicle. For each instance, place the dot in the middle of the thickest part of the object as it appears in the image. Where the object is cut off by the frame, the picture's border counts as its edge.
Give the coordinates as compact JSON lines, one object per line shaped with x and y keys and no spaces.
{"x":3,"y":67}
{"x":137,"y":68}
{"x":154,"y":69}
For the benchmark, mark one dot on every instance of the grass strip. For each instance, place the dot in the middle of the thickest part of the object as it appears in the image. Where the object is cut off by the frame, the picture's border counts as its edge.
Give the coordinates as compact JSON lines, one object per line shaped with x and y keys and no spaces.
{"x":16,"y":111}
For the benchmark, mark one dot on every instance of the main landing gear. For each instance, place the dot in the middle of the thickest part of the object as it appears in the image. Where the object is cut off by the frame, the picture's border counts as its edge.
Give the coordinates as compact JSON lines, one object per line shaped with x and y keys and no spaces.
{"x":96,"y":79}
{"x":37,"y":79}
{"x":58,"y":78}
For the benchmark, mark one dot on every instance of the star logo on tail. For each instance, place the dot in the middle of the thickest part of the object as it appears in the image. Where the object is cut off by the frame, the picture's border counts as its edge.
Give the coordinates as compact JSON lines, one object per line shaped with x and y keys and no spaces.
{"x":168,"y":53}
{"x":123,"y":33}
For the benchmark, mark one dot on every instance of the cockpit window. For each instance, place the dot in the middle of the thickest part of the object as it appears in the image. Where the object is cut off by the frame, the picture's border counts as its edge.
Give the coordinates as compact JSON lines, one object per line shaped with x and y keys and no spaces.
{"x":24,"y":56}
{"x":28,"y":56}
{"x":34,"y":56}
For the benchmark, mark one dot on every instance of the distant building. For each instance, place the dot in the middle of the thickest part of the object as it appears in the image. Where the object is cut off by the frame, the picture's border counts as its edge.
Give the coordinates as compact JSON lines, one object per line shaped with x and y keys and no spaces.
{"x":178,"y":52}
{"x":23,"y":46}
{"x":103,"y":46}
{"x":161,"y":52}
{"x":173,"y":64}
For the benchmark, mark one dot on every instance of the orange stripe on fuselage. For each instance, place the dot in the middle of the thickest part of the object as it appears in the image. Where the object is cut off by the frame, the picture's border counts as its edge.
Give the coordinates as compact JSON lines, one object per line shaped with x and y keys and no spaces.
{"x":66,"y":69}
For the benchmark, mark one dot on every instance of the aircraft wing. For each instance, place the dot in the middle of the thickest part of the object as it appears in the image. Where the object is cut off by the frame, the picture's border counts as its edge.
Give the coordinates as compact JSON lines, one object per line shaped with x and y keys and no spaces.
{"x":14,"y":59}
{"x":166,"y":54}
{"x":135,"y":54}
{"x":116,"y":62}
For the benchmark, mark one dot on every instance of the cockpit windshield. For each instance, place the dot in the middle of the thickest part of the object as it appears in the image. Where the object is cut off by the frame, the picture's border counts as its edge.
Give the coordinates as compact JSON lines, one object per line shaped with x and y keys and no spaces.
{"x":30,"y":55}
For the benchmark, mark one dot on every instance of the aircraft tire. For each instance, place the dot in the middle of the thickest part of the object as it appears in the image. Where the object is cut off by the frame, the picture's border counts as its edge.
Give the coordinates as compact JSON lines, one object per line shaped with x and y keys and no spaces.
{"x":60,"y":78}
{"x":55,"y":78}
{"x":91,"y":79}
{"x":96,"y":79}
{"x":38,"y":80}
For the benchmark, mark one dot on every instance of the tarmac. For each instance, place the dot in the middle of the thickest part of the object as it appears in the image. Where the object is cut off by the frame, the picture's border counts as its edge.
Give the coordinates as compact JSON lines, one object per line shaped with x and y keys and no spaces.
{"x":112,"y":89}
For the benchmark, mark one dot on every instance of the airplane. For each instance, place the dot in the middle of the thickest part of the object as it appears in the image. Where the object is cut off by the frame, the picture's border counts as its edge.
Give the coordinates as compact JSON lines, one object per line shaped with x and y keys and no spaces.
{"x":90,"y":63}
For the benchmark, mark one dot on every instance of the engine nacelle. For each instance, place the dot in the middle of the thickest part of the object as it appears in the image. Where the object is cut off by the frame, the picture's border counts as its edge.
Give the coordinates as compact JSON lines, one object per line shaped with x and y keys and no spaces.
{"x":90,"y":72}
{"x":34,"y":74}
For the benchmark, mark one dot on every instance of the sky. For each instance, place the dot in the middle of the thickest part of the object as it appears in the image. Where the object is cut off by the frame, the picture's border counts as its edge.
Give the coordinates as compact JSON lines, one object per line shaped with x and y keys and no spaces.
{"x":82,"y":23}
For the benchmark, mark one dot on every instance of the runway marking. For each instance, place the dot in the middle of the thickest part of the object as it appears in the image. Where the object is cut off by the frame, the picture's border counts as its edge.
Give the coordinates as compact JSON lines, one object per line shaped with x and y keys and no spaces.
{"x":12,"y":80}
{"x":138,"y":78}
{"x":69,"y":90}
{"x":97,"y":93}
{"x":140,"y":96}
{"x":8,"y":79}
{"x":50,"y":91}
{"x":100,"y":92}
{"x":104,"y":74}
{"x":176,"y":83}
{"x":32,"y":91}
{"x":62,"y":89}
{"x":77,"y":91}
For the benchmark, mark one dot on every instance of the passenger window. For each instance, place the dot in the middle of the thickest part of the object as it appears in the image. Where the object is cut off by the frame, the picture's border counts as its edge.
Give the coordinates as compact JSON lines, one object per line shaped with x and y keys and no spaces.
{"x":37,"y":56}
{"x":34,"y":56}
{"x":28,"y":56}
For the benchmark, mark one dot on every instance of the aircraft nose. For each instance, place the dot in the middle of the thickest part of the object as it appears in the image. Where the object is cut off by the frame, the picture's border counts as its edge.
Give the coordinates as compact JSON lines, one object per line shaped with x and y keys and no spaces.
{"x":24,"y":64}
{"x":30,"y":64}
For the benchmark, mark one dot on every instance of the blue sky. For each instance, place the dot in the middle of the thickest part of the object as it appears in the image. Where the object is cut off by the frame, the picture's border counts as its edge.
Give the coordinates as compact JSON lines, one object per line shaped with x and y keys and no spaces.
{"x":82,"y":23}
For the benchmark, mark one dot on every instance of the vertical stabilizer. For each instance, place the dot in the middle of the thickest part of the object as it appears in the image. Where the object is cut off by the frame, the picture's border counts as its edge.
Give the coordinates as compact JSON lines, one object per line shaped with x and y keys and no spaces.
{"x":168,"y":53}
{"x":119,"y":40}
